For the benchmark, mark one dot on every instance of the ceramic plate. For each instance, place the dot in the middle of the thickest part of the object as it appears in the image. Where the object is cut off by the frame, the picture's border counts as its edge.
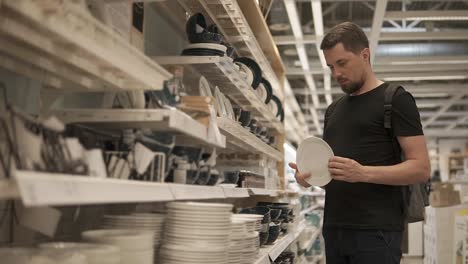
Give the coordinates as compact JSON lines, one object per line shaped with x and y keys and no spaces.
{"x":312,"y":157}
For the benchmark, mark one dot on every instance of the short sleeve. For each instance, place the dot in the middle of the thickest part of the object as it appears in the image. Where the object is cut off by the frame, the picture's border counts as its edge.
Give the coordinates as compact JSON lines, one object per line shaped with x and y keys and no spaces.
{"x":406,"y":120}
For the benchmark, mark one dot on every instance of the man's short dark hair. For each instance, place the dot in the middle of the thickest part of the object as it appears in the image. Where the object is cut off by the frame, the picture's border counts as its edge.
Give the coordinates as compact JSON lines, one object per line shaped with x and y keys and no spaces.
{"x":349,"y":34}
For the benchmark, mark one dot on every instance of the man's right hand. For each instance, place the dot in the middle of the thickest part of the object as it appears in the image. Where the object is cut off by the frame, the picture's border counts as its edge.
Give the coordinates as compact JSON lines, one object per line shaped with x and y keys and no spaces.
{"x":300,"y":178}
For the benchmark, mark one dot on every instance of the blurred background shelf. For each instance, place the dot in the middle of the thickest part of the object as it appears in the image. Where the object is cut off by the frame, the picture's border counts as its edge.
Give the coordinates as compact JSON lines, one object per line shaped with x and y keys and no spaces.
{"x":65,"y":47}
{"x":221,"y":72}
{"x":167,"y":120}
{"x":238,"y":137}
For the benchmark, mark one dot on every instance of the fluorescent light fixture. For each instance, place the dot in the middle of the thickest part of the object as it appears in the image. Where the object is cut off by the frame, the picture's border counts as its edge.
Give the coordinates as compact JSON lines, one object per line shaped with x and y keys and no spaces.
{"x":302,"y":53}
{"x":425,"y":78}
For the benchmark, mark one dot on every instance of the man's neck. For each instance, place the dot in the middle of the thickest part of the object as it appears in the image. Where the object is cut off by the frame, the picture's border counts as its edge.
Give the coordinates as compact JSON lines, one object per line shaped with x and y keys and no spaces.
{"x":370,"y":84}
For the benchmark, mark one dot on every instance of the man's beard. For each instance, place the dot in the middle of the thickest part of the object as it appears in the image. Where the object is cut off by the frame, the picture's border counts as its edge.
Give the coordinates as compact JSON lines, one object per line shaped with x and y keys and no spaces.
{"x":352,"y":87}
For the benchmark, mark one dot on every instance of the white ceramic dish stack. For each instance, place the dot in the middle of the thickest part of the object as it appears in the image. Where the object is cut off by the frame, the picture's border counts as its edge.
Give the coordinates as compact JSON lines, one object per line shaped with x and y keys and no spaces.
{"x":94,"y":253}
{"x":136,"y":246}
{"x":253,"y":221}
{"x":40,"y":256}
{"x":196,"y":233}
{"x":243,"y":245}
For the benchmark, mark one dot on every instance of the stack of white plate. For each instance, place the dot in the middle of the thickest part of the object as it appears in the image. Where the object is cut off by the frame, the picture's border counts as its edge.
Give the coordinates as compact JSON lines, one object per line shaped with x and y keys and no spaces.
{"x":40,"y":256}
{"x":253,"y":221}
{"x":94,"y":253}
{"x":136,"y":246}
{"x":141,"y":221}
{"x":243,"y":245}
{"x":196,"y":233}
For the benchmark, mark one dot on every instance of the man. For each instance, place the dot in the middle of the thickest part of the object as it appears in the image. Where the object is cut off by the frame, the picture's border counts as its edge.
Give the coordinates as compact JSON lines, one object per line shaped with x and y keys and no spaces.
{"x":363,"y":221}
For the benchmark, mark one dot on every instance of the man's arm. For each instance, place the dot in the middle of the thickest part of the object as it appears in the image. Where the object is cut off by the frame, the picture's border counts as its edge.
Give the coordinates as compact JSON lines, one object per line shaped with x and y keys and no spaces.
{"x":416,"y":167}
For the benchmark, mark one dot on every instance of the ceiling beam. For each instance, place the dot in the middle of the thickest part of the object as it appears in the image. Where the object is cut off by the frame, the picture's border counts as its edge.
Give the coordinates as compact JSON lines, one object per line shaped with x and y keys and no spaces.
{"x":291,"y":10}
{"x":450,"y":89}
{"x":454,"y":133}
{"x":387,"y":36}
{"x":443,"y":109}
{"x":428,"y":15}
{"x":382,"y":70}
{"x":461,"y":120}
{"x":377,"y":21}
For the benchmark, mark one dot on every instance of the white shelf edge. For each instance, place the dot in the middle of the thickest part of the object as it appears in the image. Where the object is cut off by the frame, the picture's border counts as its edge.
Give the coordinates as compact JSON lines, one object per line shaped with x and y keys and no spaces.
{"x":261,"y":191}
{"x":242,"y":138}
{"x":53,"y":189}
{"x":155,"y":119}
{"x":309,"y":193}
{"x":58,"y":29}
{"x":230,"y":192}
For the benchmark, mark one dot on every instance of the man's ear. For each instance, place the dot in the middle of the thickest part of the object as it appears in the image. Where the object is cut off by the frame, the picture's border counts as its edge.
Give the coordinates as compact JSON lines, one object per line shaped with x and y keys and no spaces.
{"x":365,"y":54}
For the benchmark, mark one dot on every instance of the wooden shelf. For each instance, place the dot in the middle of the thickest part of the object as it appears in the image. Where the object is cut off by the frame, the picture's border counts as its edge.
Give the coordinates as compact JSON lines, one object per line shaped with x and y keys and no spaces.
{"x":239,"y":138}
{"x":233,"y":25}
{"x":52,"y":189}
{"x":170,"y":120}
{"x":221,"y":72}
{"x":62,"y":45}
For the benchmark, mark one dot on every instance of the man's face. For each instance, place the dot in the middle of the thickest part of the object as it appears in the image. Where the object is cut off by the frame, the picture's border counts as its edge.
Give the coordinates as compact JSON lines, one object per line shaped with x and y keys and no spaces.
{"x":346,"y":67}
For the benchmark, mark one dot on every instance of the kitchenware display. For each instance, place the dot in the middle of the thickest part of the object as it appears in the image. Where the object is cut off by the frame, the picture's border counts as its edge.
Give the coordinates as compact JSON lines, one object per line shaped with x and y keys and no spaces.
{"x":243,"y":244}
{"x":196,"y":233}
{"x":94,"y":253}
{"x":313,"y":155}
{"x":253,"y":66}
{"x":265,"y":91}
{"x":245,"y":118}
{"x":204,"y":49}
{"x":204,"y":87}
{"x":136,"y":246}
{"x":197,"y":32}
{"x":279,"y":108}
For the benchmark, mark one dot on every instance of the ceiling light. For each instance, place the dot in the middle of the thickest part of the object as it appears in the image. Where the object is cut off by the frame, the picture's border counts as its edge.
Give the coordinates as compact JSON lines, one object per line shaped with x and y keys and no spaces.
{"x":430,"y":95}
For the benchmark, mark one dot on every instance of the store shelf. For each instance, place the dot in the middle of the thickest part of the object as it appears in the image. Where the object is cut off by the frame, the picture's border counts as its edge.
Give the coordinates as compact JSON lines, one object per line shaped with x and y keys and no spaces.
{"x":310,"y":209}
{"x":241,"y":138}
{"x":313,"y":238}
{"x":315,"y":193}
{"x":233,"y":25}
{"x":64,"y":46}
{"x":169,"y":120}
{"x":230,"y":192}
{"x":463,"y":182}
{"x":40,"y":189}
{"x":221,"y":72}
{"x":265,"y":192}
{"x":273,"y":251}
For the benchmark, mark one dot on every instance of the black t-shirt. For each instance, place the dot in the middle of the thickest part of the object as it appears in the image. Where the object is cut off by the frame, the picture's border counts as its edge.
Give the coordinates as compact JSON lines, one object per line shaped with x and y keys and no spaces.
{"x":355,"y":129}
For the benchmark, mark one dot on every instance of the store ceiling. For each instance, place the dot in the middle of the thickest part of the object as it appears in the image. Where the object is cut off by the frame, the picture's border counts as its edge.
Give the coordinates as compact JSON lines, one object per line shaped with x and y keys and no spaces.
{"x":421,"y":44}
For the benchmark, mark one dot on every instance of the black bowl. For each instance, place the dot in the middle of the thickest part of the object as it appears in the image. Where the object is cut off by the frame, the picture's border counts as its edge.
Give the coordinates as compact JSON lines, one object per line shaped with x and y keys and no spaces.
{"x":213,"y":179}
{"x":268,"y":89}
{"x":231,"y":177}
{"x":275,"y":213}
{"x":203,"y":177}
{"x":192,"y":176}
{"x":253,"y":66}
{"x":260,"y":210}
{"x":273,"y":233}
{"x":263,"y":237}
{"x":245,"y":118}
{"x":205,"y":36}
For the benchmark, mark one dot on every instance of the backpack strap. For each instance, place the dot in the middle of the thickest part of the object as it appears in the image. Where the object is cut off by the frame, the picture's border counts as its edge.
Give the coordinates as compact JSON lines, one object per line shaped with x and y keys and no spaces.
{"x":389,"y":92}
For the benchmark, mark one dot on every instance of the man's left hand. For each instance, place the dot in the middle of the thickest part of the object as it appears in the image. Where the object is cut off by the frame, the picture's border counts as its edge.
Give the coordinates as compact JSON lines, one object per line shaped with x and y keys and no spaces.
{"x":348,"y":170}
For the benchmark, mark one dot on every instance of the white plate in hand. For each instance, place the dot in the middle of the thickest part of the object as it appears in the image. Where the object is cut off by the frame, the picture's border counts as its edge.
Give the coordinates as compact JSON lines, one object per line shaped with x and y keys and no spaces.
{"x":312,"y":157}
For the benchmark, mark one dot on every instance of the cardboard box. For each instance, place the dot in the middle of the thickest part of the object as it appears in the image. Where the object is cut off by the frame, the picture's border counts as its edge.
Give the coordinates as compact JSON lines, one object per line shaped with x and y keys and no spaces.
{"x":439,"y":234}
{"x":444,"y":195}
{"x":459,"y":254}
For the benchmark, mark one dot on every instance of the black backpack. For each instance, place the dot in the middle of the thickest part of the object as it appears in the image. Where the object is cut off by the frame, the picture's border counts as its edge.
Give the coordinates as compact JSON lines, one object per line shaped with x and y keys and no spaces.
{"x":415,"y":196}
